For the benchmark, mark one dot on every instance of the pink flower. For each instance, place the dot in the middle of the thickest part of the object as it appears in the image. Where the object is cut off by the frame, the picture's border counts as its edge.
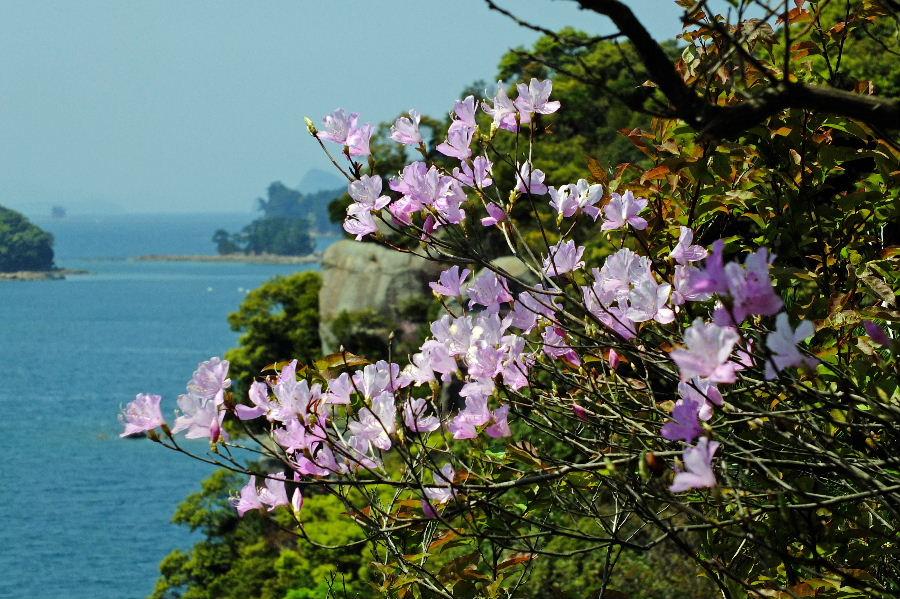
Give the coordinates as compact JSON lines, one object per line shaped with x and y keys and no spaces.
{"x":358,"y":140}
{"x":477,"y":175}
{"x":209,"y":379}
{"x":535,"y":98}
{"x":876,"y":333}
{"x":273,"y":494}
{"x":684,"y":290}
{"x":201,"y":417}
{"x":707,"y":351}
{"x":360,"y":222}
{"x":338,"y":125}
{"x":623,"y":210}
{"x":375,"y":379}
{"x":476,"y":413}
{"x":703,"y":392}
{"x":750,"y":289}
{"x":339,"y":390}
{"x":292,"y":437}
{"x":375,"y":425}
{"x":555,"y":345}
{"x":647,"y":301}
{"x":450,"y":282}
{"x":530,"y":306}
{"x":782,"y":342}
{"x":142,"y":415}
{"x":465,"y":111}
{"x":248,"y":499}
{"x":587,"y":197}
{"x":563,"y":201}
{"x":259,"y":397}
{"x":405,"y":130}
{"x":366,"y":192}
{"x":503,"y":110}
{"x":712,"y":278}
{"x":564,"y":257}
{"x":459,"y":138}
{"x":684,"y":252}
{"x":698,"y":473}
{"x":414,"y":416}
{"x":530,"y":180}
{"x":441,"y":492}
{"x":495,"y":215}
{"x":489,"y":290}
{"x":685,"y":424}
{"x":499,"y":426}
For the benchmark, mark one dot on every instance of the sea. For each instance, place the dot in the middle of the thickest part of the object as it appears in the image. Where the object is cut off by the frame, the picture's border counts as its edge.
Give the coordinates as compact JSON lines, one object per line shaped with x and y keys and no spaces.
{"x":83,"y":513}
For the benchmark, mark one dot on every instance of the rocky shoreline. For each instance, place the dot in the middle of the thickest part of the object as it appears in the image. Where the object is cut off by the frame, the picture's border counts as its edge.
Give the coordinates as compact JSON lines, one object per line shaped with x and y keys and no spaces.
{"x":56,"y":274}
{"x":246,"y":258}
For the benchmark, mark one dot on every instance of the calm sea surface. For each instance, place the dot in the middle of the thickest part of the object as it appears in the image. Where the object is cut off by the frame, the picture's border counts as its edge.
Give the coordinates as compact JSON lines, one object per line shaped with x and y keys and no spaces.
{"x":84,"y":514}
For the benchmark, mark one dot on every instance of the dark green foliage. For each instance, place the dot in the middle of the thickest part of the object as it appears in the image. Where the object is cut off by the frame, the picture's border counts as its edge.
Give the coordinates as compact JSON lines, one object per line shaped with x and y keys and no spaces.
{"x":284,"y":228}
{"x":23,"y":245}
{"x":253,"y":557}
{"x":277,"y":321}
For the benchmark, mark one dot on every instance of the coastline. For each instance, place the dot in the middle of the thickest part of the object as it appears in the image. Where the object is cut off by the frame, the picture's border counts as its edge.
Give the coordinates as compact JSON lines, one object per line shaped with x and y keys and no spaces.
{"x":57,"y":274}
{"x":245,"y":258}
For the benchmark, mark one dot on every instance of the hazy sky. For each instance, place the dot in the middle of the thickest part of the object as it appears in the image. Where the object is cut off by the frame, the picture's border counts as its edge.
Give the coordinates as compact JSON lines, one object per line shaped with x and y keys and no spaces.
{"x":188,"y":105}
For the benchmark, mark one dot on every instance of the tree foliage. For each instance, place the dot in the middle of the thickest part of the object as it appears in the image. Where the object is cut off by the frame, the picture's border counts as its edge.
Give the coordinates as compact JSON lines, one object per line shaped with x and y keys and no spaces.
{"x":23,"y":245}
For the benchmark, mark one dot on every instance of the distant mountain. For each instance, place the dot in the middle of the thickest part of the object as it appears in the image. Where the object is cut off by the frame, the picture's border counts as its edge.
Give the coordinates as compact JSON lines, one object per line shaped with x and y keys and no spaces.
{"x":23,"y":245}
{"x":316,"y":180}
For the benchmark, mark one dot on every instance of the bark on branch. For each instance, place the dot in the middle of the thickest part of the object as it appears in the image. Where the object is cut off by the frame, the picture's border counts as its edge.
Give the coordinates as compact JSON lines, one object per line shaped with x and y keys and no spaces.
{"x":727,"y":121}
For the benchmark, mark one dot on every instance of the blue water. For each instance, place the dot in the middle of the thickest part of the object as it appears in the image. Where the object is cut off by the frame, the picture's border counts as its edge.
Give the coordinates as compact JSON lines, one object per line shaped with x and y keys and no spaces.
{"x":84,"y":514}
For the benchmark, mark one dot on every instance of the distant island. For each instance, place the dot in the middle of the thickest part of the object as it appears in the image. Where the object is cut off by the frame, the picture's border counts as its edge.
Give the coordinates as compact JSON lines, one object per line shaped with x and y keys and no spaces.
{"x":287,"y":226}
{"x":26,"y":250}
{"x":247,"y":258}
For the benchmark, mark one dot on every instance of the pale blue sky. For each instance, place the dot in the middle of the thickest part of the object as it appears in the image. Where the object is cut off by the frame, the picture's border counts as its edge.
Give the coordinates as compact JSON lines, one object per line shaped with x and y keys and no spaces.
{"x":167,"y":106}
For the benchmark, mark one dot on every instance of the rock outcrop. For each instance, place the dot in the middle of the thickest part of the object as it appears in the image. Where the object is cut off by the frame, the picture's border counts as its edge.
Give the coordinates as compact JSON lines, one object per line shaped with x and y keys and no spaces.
{"x":360,"y":276}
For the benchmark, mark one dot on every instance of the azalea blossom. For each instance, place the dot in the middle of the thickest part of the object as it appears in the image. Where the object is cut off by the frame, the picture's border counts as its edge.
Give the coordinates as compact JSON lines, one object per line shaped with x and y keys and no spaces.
{"x":210,"y":378}
{"x":623,"y":210}
{"x":477,"y":175}
{"x":405,"y":130}
{"x":248,"y":499}
{"x":366,"y":192}
{"x":142,"y":414}
{"x":450,"y":282}
{"x":647,"y":301}
{"x":465,"y":111}
{"x":495,"y":215}
{"x":563,"y":201}
{"x":707,"y":352}
{"x":503,"y":110}
{"x":358,"y":140}
{"x":530,"y":180}
{"x":415,"y":418}
{"x":259,"y":397}
{"x":459,"y":138}
{"x":750,"y":289}
{"x":555,"y":345}
{"x":698,"y":472}
{"x":200,"y":417}
{"x":535,"y":98}
{"x":489,"y":290}
{"x":782,"y":342}
{"x":705,"y":393}
{"x":476,"y":413}
{"x":684,"y":252}
{"x":273,"y":494}
{"x":685,"y":423}
{"x":564,"y":257}
{"x":360,"y":222}
{"x":683,"y":289}
{"x":441,"y":492}
{"x":338,"y":125}
{"x":587,"y":196}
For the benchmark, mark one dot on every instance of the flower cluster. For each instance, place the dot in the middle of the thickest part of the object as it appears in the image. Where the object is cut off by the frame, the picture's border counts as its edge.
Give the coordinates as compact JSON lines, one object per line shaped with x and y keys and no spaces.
{"x":499,"y":328}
